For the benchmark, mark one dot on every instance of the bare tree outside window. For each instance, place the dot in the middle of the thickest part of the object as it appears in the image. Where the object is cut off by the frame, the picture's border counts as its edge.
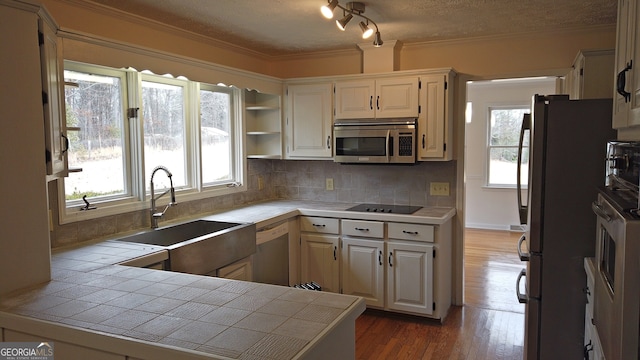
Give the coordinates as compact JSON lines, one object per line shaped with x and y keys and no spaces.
{"x":95,"y":121}
{"x":164,"y":130}
{"x":504,"y":135}
{"x":215,"y":128}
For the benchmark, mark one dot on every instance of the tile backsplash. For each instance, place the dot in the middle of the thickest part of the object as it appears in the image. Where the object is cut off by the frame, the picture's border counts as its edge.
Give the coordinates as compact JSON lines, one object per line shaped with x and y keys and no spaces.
{"x":292,"y":180}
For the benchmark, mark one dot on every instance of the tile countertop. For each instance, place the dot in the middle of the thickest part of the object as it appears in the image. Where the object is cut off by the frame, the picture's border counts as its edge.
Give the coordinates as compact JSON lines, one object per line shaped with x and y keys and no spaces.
{"x":266,"y":213}
{"x":115,"y":306}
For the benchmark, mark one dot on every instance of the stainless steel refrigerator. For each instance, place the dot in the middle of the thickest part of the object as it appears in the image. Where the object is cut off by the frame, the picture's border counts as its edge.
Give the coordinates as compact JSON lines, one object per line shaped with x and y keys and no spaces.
{"x":567,"y":148}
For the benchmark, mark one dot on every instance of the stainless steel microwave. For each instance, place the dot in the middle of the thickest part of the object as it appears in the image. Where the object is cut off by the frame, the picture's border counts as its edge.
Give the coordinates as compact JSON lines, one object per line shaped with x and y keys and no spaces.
{"x":375,"y":141}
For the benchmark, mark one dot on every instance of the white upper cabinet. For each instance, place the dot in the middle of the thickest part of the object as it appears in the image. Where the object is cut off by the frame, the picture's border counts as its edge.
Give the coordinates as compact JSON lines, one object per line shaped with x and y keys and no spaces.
{"x":626,"y":93}
{"x":435,"y":123}
{"x":394,"y":97}
{"x":590,"y":76}
{"x":309,"y":125}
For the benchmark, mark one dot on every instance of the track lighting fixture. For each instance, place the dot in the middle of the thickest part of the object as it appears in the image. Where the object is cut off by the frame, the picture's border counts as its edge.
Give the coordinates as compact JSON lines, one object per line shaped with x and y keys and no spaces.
{"x":342,"y":23}
{"x":327,"y":10}
{"x":366,"y":30}
{"x":352,"y":9}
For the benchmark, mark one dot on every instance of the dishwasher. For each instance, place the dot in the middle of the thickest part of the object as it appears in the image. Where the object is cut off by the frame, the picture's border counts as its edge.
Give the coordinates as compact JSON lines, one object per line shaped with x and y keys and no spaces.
{"x":271,"y":260}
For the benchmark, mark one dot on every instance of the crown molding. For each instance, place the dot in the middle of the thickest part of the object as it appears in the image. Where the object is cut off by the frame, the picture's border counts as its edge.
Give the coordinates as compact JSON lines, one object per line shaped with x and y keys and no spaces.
{"x":159,"y":26}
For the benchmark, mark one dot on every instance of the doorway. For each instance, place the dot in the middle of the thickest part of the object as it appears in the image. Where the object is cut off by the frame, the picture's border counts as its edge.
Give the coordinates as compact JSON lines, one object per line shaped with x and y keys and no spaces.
{"x":493,"y":118}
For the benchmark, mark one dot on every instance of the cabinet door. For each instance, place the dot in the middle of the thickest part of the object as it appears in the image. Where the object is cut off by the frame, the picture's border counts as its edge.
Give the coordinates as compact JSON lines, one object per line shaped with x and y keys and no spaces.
{"x":410,"y":277}
{"x":56,"y":142}
{"x":397,"y":97}
{"x":432,"y":120}
{"x":623,"y":56}
{"x":355,"y":99}
{"x":319,"y":261}
{"x":633,"y":79}
{"x":309,"y":121}
{"x":363,"y":269}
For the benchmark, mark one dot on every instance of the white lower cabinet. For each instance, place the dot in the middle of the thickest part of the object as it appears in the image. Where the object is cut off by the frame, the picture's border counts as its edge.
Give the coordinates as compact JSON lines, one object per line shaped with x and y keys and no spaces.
{"x":239,"y":270}
{"x":319,"y":260}
{"x":410,"y":277}
{"x":363,"y":269}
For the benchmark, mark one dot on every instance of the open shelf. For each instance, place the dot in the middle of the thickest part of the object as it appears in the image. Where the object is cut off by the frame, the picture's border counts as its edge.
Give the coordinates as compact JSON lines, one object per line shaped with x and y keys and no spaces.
{"x":263,"y":125}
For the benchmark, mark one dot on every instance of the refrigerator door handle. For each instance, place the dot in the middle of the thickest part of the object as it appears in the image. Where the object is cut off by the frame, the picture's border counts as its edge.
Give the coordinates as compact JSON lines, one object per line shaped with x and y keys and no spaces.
{"x":523,"y":256}
{"x":522,"y":298}
{"x":523,"y":210}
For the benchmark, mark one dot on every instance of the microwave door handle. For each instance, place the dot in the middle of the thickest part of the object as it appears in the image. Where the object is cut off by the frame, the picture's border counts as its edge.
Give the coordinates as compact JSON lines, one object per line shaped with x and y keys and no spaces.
{"x":387,"y":144}
{"x":522,"y":209}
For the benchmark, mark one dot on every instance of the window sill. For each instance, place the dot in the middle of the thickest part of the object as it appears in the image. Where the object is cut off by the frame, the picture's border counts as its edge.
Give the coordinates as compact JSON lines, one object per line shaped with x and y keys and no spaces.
{"x":502,"y":187}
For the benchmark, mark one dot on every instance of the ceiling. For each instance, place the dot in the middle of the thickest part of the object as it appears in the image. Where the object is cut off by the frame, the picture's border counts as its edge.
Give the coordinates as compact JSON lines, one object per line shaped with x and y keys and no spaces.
{"x":284,"y":27}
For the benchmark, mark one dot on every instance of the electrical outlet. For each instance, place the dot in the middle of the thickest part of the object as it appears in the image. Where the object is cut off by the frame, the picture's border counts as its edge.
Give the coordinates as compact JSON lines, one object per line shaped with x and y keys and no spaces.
{"x":329,"y":183}
{"x":439,"y":189}
{"x":260,"y":183}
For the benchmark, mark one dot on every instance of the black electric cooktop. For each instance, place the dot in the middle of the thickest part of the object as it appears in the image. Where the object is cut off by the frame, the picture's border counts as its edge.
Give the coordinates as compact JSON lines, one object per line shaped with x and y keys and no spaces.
{"x":381,"y":208}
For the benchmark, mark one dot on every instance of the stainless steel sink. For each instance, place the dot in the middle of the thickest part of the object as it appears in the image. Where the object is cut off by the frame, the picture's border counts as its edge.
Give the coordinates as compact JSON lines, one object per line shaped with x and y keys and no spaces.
{"x":201,"y":246}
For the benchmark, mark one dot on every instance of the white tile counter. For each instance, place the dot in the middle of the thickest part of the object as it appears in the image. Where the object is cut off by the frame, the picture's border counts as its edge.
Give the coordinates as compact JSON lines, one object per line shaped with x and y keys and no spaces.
{"x":140,"y":313}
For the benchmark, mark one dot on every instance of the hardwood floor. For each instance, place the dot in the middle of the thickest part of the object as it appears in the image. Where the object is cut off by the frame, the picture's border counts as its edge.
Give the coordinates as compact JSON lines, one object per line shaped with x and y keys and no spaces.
{"x":490,"y":326}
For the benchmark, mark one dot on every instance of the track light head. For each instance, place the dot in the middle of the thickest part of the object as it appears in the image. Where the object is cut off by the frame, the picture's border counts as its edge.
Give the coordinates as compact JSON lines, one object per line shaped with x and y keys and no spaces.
{"x":342,"y":23}
{"x":377,"y":41}
{"x":366,"y":30}
{"x":327,"y":10}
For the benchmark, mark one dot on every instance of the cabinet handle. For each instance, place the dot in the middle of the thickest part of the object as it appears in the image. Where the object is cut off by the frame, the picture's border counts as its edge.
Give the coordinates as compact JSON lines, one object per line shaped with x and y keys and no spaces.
{"x":319,"y":225}
{"x":371,"y":102}
{"x":410,"y":232}
{"x":66,"y":143}
{"x":335,"y":249}
{"x":380,"y":257}
{"x":424,"y":140}
{"x":361,"y":229}
{"x":378,"y":102}
{"x":390,"y":262}
{"x":621,"y":82}
{"x":587,"y":349}
{"x":329,"y":142}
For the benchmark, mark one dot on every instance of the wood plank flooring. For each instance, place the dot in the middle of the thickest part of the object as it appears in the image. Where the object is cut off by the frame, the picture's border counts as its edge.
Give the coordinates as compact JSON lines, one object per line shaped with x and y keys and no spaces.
{"x":490,"y":326}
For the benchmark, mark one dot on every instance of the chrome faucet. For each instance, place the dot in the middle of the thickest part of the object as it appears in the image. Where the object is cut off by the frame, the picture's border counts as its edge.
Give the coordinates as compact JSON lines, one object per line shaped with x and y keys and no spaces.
{"x":155,"y":216}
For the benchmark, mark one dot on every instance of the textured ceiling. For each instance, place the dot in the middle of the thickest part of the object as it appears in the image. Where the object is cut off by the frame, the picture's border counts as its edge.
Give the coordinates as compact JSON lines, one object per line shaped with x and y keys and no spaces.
{"x":281,"y":27}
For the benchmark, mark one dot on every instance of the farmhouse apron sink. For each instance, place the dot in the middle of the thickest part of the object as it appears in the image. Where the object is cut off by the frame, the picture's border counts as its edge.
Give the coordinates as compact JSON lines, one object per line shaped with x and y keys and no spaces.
{"x":202,"y":246}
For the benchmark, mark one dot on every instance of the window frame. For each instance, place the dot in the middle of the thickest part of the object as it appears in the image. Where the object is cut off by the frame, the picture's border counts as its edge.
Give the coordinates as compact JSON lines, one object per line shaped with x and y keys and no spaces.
{"x":489,"y":147}
{"x":138,"y":197}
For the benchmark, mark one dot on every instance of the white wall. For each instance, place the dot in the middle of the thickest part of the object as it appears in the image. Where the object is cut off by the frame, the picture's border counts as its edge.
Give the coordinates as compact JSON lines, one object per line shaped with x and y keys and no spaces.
{"x":492,"y":208}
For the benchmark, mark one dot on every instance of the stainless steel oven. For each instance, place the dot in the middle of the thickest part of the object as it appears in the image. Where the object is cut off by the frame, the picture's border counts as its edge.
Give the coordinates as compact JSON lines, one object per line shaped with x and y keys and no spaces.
{"x":616,"y":313}
{"x":375,"y":141}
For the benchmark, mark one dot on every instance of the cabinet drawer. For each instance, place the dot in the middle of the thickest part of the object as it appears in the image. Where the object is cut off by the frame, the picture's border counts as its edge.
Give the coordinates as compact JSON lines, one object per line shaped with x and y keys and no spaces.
{"x":372,"y":229}
{"x":415,"y":232}
{"x":319,"y":225}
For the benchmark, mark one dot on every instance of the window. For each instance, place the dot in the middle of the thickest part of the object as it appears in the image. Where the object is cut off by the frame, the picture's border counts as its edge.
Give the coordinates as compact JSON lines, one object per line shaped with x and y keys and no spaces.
{"x":97,"y":135}
{"x":193,"y":129}
{"x":504,"y":135}
{"x":163,"y":111}
{"x":217,"y":153}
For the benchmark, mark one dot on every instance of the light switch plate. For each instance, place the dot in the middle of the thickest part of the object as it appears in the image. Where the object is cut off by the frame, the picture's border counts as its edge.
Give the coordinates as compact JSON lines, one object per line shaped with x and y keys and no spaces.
{"x":439,"y":189}
{"x":329,"y":183}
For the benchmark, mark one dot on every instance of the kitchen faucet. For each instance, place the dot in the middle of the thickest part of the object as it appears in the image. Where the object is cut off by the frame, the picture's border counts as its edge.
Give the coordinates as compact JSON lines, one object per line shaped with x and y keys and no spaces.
{"x":155,"y":216}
